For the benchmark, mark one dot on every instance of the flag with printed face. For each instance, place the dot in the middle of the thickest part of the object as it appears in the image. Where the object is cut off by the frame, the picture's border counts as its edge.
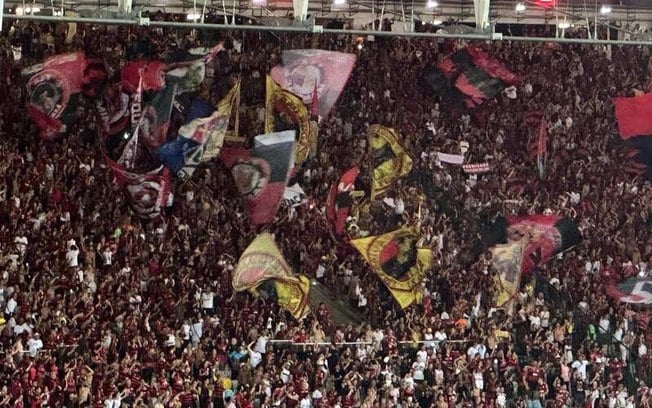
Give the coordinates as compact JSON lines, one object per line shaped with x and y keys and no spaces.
{"x":148,"y":193}
{"x":187,"y":76}
{"x":201,"y":138}
{"x":518,"y":244}
{"x":315,"y":75}
{"x":340,"y":200}
{"x":154,"y":122}
{"x":262,"y":176}
{"x":390,"y":160}
{"x":284,"y":110}
{"x":53,"y":90}
{"x":262,"y":270}
{"x":398,"y":262}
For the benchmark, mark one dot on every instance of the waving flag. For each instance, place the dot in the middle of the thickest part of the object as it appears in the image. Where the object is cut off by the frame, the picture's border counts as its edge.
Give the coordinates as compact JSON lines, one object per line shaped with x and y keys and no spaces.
{"x":148,"y":75}
{"x":187,"y":76}
{"x":340,"y":200}
{"x":391,"y":161}
{"x":263,"y":271}
{"x":315,"y":75}
{"x":201,"y":139}
{"x":288,"y":106}
{"x":262,"y":176}
{"x":470,"y":75}
{"x":53,"y":92}
{"x":154,"y":121}
{"x":148,"y":193}
{"x":518,"y":244}
{"x":634,"y":117}
{"x":633,"y":290}
{"x":398,"y":262}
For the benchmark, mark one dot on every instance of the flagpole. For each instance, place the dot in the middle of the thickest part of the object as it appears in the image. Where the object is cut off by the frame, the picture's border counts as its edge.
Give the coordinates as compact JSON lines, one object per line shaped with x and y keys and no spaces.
{"x":236,"y":126}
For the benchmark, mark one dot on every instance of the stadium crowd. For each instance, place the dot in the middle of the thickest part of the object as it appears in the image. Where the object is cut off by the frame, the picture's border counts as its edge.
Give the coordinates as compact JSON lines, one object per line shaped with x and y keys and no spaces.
{"x":102,"y":309}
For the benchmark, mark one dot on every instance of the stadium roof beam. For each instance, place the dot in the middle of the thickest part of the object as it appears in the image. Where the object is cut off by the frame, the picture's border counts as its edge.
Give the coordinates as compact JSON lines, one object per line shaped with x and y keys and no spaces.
{"x":317,"y":30}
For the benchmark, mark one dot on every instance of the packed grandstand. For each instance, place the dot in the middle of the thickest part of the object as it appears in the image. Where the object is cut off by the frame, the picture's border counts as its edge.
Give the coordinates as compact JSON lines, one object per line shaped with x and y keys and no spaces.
{"x":293,"y":220}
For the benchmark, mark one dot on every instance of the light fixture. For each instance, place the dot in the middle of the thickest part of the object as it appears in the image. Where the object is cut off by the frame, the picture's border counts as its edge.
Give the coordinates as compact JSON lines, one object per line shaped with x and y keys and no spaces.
{"x":432,"y":4}
{"x":193,"y":15}
{"x":437,"y":22}
{"x":260,"y":3}
{"x":339,"y":2}
{"x":520,"y":7}
{"x":27,"y":10}
{"x":605,"y":9}
{"x":564,"y":25}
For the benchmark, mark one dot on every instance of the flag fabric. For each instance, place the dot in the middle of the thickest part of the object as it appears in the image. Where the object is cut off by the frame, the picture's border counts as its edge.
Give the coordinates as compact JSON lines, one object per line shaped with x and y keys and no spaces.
{"x":476,"y":168}
{"x":390,"y":160}
{"x":636,"y":290}
{"x":469,"y":75}
{"x":263,"y":271}
{"x":340,"y":200}
{"x":53,"y":91}
{"x":641,"y":155}
{"x":294,"y":195}
{"x":149,"y":74}
{"x":635,"y":126}
{"x":634,"y":115}
{"x":114,"y":113}
{"x":518,"y":244}
{"x":96,"y":78}
{"x":398,"y":262}
{"x":148,"y":192}
{"x":315,"y":75}
{"x":201,"y":138}
{"x":154,"y":122}
{"x":187,"y":76}
{"x":542,"y":147}
{"x":450,"y":158}
{"x":261,"y":178}
{"x":290,"y":106}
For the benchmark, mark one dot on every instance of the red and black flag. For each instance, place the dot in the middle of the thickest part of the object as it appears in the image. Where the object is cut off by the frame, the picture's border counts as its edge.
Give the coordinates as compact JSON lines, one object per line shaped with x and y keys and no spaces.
{"x":340,"y":200}
{"x":398,"y":262}
{"x":261,"y":174}
{"x":518,"y":244}
{"x":53,"y":92}
{"x":634,"y":117}
{"x":469,"y":75}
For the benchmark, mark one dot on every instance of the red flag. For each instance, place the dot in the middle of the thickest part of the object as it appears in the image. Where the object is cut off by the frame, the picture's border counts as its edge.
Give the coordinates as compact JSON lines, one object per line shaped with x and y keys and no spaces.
{"x":340,"y":201}
{"x":634,"y":115}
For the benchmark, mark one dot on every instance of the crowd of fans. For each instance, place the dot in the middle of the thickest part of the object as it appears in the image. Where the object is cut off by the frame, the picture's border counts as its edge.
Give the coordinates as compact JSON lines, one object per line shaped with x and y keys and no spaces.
{"x":103,"y":309}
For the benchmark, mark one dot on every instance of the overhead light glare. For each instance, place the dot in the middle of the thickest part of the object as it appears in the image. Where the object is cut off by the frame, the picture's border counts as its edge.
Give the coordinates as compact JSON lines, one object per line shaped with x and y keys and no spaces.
{"x":339,"y":2}
{"x":437,"y":22}
{"x":432,"y":4}
{"x":520,"y":7}
{"x":193,"y":15}
{"x":605,"y":9}
{"x":564,"y":25}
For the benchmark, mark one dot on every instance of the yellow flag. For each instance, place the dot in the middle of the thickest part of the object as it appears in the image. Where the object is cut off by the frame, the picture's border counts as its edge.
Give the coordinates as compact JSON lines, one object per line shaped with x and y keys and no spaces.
{"x":263,"y":271}
{"x":287,"y":104}
{"x":215,"y":138}
{"x":390,"y":160}
{"x":506,"y":259}
{"x":398,"y":262}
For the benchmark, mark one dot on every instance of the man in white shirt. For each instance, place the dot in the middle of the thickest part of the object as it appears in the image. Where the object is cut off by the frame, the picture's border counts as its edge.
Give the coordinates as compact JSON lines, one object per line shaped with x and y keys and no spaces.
{"x":255,"y":358}
{"x":207,"y":303}
{"x":34,"y":344}
{"x":261,"y":342}
{"x":72,"y":256}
